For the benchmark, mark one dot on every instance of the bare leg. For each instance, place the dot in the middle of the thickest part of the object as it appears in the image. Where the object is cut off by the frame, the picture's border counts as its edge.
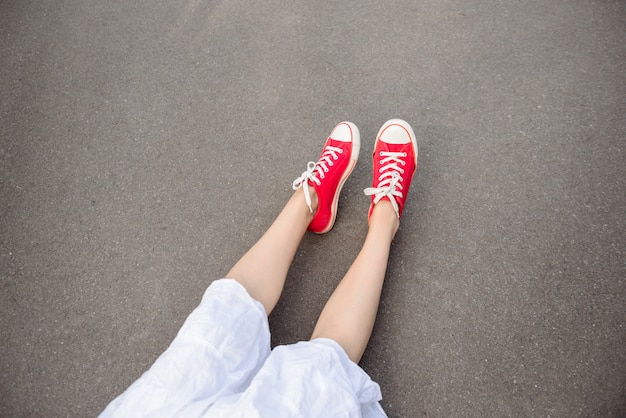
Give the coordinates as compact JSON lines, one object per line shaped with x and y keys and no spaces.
{"x":350,"y":312}
{"x":263,"y":269}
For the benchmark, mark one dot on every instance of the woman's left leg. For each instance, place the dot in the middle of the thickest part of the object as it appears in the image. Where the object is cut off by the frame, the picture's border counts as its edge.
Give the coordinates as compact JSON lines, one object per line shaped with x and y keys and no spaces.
{"x":225,"y":340}
{"x":263,"y":269}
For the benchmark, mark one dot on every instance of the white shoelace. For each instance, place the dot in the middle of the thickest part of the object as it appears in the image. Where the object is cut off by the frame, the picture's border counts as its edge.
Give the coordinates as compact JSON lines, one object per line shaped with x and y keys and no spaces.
{"x":315,"y":172}
{"x":390,"y":180}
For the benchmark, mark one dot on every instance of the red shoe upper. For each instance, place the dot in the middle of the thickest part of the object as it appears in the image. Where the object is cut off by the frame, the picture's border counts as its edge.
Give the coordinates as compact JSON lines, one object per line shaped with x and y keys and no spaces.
{"x":394,"y":164}
{"x":329,"y":173}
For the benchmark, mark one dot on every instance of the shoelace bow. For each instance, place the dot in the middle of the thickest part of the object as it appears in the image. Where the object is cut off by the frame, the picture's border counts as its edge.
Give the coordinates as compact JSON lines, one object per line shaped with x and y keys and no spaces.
{"x":390,"y":181}
{"x":315,"y":171}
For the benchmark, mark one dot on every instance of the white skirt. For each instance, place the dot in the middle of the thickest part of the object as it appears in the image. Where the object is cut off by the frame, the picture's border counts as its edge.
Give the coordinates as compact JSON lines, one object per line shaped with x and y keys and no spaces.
{"x":220,"y":365}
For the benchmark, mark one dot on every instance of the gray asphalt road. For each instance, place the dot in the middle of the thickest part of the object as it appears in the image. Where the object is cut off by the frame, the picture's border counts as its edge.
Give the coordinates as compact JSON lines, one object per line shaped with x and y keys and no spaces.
{"x":144,"y":145}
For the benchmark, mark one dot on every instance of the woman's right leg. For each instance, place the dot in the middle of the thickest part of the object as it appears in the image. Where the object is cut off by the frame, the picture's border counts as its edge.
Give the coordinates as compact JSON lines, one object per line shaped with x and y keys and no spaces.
{"x":349,"y":315}
{"x":350,"y":312}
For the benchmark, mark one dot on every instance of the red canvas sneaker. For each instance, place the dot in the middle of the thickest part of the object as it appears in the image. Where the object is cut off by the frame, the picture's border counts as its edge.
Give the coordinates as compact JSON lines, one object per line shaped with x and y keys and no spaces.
{"x":328,"y":175}
{"x":395,"y":161}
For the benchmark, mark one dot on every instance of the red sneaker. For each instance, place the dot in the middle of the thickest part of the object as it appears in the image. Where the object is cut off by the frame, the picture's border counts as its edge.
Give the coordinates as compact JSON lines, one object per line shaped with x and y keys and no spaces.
{"x":395,"y":162}
{"x":328,"y":175}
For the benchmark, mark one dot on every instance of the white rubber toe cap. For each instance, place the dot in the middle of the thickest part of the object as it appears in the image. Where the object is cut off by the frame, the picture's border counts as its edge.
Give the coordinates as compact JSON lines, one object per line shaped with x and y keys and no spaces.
{"x":342,"y":132}
{"x":396,"y":131}
{"x":348,"y":132}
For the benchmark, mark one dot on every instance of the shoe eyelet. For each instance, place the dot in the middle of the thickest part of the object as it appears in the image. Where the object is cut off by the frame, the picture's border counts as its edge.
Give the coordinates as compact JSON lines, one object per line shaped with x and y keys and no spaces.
{"x":405,"y":154}
{"x":380,"y":153}
{"x":341,"y":151}
{"x":330,"y":163}
{"x":335,"y":158}
{"x":380,"y":170}
{"x":402,"y":171}
{"x":326,"y":169}
{"x":403,"y":162}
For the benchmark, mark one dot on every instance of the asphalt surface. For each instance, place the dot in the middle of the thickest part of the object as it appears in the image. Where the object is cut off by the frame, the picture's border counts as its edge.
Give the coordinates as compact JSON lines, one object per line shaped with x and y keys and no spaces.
{"x":145,"y":145}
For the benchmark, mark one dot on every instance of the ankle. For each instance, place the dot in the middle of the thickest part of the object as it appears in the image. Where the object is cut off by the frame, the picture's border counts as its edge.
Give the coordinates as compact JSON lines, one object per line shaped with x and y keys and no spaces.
{"x":314,"y":201}
{"x":384,"y":216}
{"x":298,"y":196}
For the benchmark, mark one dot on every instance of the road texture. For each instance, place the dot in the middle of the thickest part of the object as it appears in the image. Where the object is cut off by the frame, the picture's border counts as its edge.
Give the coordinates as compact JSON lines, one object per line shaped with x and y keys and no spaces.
{"x":146,"y":144}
